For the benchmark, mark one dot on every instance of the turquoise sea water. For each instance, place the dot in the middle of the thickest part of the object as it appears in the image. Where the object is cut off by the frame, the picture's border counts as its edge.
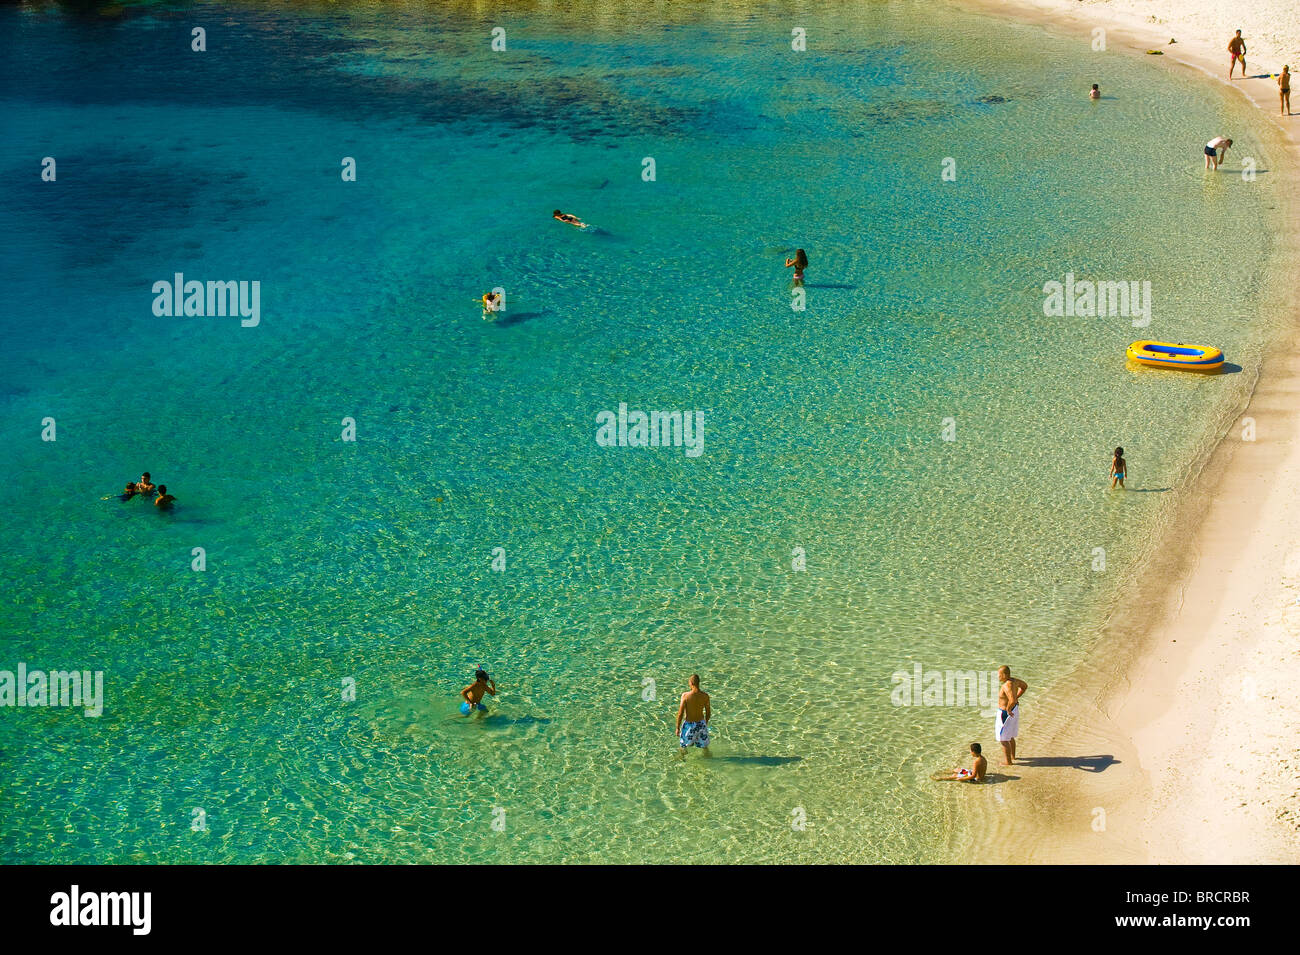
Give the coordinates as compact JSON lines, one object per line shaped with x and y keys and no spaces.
{"x":824,"y":428}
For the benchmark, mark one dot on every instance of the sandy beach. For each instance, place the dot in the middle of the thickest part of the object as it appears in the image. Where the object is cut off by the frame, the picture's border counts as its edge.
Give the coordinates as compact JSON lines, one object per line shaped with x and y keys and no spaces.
{"x":1177,"y":741}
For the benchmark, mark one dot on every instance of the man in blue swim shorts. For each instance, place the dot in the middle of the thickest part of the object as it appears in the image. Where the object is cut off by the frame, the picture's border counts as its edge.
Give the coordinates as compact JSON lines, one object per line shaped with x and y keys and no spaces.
{"x":693,"y":717}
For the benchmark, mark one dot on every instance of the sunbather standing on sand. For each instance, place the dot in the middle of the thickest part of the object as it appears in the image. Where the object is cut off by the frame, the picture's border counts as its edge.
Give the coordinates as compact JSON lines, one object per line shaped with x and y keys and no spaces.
{"x":1237,"y":47}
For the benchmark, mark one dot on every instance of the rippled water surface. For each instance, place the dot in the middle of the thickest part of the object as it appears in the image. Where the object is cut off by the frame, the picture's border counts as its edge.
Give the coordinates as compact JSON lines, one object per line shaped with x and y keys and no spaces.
{"x":625,"y":569}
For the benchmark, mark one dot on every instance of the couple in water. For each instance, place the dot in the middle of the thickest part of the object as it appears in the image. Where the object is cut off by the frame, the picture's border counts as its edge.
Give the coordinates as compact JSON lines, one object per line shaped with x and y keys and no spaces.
{"x":493,"y":302}
{"x":693,"y":713}
{"x":146,"y":488}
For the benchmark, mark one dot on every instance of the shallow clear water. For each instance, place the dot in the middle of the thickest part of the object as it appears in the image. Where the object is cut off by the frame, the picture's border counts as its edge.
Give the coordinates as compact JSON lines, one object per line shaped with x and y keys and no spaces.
{"x":823,"y":428}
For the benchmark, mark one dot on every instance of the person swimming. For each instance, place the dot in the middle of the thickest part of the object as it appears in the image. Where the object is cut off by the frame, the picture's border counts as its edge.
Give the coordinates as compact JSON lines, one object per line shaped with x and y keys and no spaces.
{"x":491,"y":303}
{"x":800,"y":262}
{"x":129,"y":491}
{"x":1118,"y":468}
{"x":473,"y":694}
{"x":570,"y":219}
{"x":164,"y":500}
{"x":1094,"y":93}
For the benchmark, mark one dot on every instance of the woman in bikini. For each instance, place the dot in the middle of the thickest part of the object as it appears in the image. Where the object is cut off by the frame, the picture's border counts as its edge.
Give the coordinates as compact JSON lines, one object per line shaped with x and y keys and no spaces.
{"x":800,"y":262}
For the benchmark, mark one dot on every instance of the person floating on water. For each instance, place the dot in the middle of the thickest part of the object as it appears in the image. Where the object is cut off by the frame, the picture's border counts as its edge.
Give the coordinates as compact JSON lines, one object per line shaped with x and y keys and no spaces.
{"x":473,"y":694}
{"x":1118,"y":469}
{"x":491,"y":303}
{"x":1237,"y":47}
{"x":1094,"y":93}
{"x":1284,"y":90}
{"x":1213,"y":157}
{"x":800,"y":262}
{"x":979,"y":767}
{"x":1006,"y":725}
{"x":693,"y":717}
{"x":164,"y":500}
{"x":570,"y":219}
{"x":129,"y":491}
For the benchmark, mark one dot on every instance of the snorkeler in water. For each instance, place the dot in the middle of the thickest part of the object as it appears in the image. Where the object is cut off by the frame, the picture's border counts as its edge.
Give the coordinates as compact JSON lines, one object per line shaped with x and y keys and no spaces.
{"x":473,"y":694}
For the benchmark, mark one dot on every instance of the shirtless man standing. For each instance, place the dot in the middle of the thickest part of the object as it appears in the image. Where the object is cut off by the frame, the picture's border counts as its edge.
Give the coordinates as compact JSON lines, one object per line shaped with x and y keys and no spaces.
{"x":1216,"y":150}
{"x":697,"y":712}
{"x":1237,"y":47}
{"x":1007,"y":725}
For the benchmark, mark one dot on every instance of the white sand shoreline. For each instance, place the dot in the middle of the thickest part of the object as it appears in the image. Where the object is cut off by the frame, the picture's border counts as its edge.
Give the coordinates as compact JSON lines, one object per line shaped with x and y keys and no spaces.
{"x":1188,"y":694}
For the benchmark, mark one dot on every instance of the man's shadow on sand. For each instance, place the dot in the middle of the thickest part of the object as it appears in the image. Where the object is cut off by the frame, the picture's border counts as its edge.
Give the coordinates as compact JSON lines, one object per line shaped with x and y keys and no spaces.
{"x":1089,"y":764}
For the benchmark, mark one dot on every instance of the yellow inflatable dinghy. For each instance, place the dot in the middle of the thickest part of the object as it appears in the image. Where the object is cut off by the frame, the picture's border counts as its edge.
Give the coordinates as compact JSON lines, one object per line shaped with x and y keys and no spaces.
{"x":1180,"y":356}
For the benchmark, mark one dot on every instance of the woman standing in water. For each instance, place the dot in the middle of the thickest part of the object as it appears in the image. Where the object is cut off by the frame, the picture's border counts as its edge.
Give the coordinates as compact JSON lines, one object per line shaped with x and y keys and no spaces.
{"x":800,"y":262}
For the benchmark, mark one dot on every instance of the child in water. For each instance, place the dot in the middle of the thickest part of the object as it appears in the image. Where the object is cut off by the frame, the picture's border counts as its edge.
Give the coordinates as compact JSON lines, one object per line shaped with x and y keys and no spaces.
{"x":1094,"y":93}
{"x":473,"y":694}
{"x":979,"y":767}
{"x":491,"y":304}
{"x":130,"y":491}
{"x":1118,"y":469}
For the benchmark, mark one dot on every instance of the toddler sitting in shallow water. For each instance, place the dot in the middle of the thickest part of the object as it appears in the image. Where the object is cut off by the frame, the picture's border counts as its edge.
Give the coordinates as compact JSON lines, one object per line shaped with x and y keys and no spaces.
{"x":979,"y":767}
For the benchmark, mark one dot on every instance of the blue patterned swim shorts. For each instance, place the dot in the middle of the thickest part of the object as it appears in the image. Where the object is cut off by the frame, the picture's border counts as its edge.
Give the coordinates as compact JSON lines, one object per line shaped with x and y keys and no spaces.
{"x":695,"y":734}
